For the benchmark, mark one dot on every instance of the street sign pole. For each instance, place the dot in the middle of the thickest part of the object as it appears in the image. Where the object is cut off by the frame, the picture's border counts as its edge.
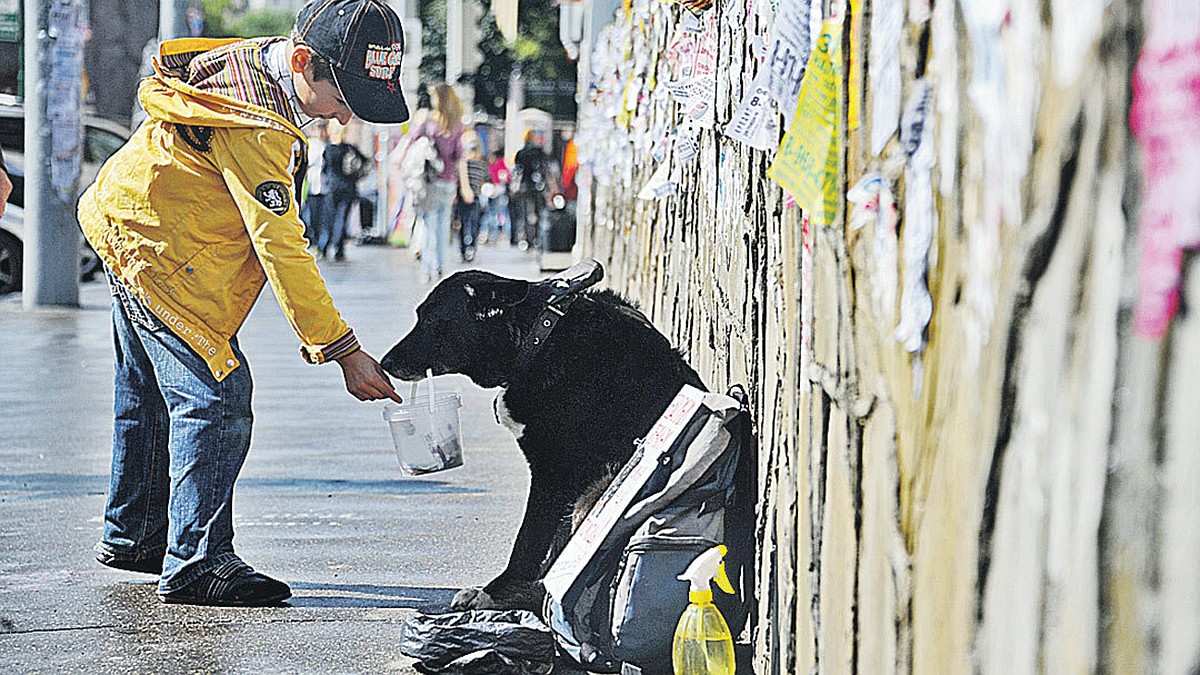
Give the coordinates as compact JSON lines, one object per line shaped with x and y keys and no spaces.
{"x":54,"y":32}
{"x":172,"y":19}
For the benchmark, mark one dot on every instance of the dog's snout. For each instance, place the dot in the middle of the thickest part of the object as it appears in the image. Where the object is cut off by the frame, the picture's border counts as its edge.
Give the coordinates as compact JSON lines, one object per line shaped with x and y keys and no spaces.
{"x":392,"y":363}
{"x":399,"y":362}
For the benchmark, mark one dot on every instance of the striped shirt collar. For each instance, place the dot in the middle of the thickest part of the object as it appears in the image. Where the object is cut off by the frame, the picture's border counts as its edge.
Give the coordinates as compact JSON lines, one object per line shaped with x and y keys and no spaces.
{"x":276,"y":58}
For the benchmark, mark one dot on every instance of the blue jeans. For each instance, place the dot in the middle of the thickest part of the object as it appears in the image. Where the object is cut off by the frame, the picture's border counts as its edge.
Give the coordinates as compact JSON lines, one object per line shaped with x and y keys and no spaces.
{"x":495,"y":216}
{"x":468,"y":217}
{"x":439,"y":200}
{"x":334,"y":213}
{"x":313,"y":213}
{"x":179,"y":441}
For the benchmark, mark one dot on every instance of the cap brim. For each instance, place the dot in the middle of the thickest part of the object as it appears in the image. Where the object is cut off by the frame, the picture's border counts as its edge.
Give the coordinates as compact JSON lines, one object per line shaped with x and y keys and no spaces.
{"x":373,"y":100}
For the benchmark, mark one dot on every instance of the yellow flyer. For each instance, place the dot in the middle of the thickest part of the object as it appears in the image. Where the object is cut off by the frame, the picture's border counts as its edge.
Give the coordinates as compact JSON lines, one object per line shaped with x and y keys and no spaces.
{"x":806,"y":164}
{"x":856,"y":57}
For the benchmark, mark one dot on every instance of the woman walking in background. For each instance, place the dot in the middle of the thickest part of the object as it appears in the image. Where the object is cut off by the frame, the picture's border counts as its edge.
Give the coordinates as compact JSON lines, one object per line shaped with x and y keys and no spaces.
{"x":313,"y":213}
{"x":445,"y":129}
{"x":343,"y":165}
{"x":470,"y":213}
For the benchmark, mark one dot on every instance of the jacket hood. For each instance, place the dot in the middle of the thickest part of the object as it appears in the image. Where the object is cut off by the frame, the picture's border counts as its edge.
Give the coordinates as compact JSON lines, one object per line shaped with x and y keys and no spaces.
{"x":166,"y":97}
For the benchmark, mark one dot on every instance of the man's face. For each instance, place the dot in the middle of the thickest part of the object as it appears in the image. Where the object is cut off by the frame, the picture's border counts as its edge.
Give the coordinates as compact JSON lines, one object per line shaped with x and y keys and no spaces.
{"x":319,"y":99}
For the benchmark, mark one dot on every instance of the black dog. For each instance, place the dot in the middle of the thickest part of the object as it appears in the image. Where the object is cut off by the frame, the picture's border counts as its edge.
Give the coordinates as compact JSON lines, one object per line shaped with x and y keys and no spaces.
{"x":581,"y":385}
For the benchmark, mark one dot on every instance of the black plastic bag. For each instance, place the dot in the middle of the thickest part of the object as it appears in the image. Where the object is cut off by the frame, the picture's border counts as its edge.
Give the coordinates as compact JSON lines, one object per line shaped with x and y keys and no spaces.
{"x":479,"y":642}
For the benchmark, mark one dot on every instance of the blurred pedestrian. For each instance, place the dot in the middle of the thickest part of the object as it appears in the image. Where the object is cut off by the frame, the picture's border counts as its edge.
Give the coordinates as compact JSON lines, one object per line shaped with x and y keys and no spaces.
{"x":495,"y":211}
{"x":531,"y":172}
{"x":192,"y":217}
{"x":470,"y":212}
{"x":343,"y":165}
{"x":315,"y":212}
{"x":446,"y":173}
{"x":6,"y":186}
{"x":570,"y":165}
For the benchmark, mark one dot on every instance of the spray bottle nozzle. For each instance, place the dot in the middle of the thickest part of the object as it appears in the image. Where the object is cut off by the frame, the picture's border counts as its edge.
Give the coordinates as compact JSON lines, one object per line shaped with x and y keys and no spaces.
{"x":706,"y":567}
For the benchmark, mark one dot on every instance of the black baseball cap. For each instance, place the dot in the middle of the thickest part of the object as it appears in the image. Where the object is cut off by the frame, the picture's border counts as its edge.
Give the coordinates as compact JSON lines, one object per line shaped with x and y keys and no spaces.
{"x":364,"y":42}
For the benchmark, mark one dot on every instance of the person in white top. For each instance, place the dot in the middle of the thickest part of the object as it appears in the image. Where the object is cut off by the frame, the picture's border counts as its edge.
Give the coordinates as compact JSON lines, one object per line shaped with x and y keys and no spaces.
{"x":315,"y":211}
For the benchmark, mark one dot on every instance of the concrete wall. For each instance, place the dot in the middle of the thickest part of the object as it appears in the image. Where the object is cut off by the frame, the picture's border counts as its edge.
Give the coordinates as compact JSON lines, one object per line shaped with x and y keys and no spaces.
{"x":1014,"y":491}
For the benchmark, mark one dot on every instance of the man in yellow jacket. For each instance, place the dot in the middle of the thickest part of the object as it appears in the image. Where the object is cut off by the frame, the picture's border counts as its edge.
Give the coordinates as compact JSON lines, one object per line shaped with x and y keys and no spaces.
{"x":192,"y":217}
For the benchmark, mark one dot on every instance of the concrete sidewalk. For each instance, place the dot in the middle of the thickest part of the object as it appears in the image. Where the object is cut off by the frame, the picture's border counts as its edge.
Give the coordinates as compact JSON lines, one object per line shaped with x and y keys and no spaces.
{"x":321,"y":502}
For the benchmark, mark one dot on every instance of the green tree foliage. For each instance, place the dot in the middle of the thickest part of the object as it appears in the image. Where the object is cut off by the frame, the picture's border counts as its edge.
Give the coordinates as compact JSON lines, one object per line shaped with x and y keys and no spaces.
{"x":433,"y":46}
{"x":215,"y":11}
{"x":222,"y":20}
{"x":263,"y":22}
{"x":491,"y":79}
{"x":536,"y":50}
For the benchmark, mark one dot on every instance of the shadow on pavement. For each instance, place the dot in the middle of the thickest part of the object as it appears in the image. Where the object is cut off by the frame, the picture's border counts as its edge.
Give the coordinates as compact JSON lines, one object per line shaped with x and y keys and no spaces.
{"x":42,"y":486}
{"x":372,"y":596}
{"x":397,"y":486}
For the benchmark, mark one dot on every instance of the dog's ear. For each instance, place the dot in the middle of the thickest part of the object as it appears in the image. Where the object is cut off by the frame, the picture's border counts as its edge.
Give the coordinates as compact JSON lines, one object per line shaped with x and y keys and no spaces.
{"x":490,"y":299}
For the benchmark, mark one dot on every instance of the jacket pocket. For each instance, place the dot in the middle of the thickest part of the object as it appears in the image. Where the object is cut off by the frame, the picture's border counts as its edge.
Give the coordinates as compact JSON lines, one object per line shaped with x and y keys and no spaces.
{"x":218,"y":284}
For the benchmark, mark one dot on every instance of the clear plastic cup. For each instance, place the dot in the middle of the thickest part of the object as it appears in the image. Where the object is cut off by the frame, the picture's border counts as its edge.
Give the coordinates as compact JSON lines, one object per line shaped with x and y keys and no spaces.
{"x":425,"y":430}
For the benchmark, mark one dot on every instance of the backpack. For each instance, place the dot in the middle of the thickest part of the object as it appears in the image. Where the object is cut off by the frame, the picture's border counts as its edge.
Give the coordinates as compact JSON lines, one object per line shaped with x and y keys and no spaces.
{"x":433,"y":167}
{"x":613,"y":596}
{"x":420,"y":166}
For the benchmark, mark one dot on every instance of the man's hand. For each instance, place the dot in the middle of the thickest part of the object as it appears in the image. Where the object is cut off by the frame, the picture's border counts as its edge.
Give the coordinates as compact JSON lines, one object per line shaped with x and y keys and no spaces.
{"x":365,"y":378}
{"x":5,"y":190}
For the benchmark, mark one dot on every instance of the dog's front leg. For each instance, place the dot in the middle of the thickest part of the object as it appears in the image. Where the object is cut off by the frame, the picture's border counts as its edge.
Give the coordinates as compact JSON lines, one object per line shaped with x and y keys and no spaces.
{"x":517,"y":587}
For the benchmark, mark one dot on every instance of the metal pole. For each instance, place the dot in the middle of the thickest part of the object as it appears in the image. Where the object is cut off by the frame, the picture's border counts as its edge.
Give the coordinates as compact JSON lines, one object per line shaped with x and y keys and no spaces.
{"x":383,"y":170}
{"x":454,"y":41}
{"x":172,"y":19}
{"x":53,"y":145}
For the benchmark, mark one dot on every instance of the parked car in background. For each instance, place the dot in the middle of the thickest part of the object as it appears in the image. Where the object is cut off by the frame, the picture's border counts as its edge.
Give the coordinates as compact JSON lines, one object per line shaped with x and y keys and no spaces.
{"x":101,"y":138}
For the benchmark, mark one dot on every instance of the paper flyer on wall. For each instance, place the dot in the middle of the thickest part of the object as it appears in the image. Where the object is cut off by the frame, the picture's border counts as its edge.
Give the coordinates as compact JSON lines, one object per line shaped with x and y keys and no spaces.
{"x":660,"y":184}
{"x":755,"y":121}
{"x":920,"y":220}
{"x":788,"y":53}
{"x":807,"y":161}
{"x":883,"y":76}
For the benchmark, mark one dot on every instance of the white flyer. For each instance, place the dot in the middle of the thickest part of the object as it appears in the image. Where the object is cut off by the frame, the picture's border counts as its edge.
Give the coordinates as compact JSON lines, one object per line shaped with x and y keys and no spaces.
{"x":787,"y":54}
{"x":887,"y":18}
{"x":920,"y":221}
{"x":660,"y":184}
{"x":755,"y":121}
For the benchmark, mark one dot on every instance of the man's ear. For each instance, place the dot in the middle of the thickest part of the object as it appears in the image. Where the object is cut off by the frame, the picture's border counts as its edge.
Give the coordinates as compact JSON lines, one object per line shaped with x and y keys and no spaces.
{"x":491,"y":299}
{"x":301,"y":57}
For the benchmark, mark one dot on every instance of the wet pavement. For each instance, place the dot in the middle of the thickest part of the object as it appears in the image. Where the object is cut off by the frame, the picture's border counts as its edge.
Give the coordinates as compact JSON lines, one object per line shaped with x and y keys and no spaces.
{"x":320,"y":504}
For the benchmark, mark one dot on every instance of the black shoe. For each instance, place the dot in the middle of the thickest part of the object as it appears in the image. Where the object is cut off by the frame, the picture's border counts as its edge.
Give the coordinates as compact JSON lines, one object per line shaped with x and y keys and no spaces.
{"x":234,"y":584}
{"x":144,"y":565}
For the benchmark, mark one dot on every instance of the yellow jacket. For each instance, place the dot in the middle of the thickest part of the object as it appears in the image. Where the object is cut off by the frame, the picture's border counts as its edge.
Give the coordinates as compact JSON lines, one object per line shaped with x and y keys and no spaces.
{"x":197,"y":211}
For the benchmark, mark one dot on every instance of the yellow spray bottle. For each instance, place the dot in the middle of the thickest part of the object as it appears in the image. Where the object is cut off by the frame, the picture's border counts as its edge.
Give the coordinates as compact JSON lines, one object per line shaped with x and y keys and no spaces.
{"x":703,"y":645}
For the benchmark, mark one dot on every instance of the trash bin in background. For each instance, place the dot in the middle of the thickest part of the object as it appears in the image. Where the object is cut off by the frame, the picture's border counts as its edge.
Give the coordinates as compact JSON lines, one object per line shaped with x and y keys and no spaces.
{"x":559,"y":238}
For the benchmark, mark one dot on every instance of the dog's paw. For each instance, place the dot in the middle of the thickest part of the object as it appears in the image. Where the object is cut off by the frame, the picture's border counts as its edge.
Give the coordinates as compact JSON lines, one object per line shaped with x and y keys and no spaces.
{"x":472,"y":598}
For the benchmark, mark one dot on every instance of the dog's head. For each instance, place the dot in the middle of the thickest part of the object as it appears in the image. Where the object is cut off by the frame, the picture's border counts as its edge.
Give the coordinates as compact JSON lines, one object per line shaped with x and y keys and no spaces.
{"x":467,"y":326}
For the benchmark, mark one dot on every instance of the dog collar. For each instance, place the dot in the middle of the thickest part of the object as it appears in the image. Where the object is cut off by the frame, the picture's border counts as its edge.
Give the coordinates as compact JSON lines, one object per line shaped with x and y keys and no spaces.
{"x":564,"y":291}
{"x":542,"y":328}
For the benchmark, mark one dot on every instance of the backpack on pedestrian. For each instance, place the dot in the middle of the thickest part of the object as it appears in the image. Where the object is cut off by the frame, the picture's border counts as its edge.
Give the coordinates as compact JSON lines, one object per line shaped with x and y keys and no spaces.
{"x":613,"y":594}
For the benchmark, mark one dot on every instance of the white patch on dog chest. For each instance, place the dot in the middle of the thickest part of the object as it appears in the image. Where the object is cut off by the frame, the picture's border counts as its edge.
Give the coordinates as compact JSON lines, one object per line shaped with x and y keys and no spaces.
{"x":504,"y":418}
